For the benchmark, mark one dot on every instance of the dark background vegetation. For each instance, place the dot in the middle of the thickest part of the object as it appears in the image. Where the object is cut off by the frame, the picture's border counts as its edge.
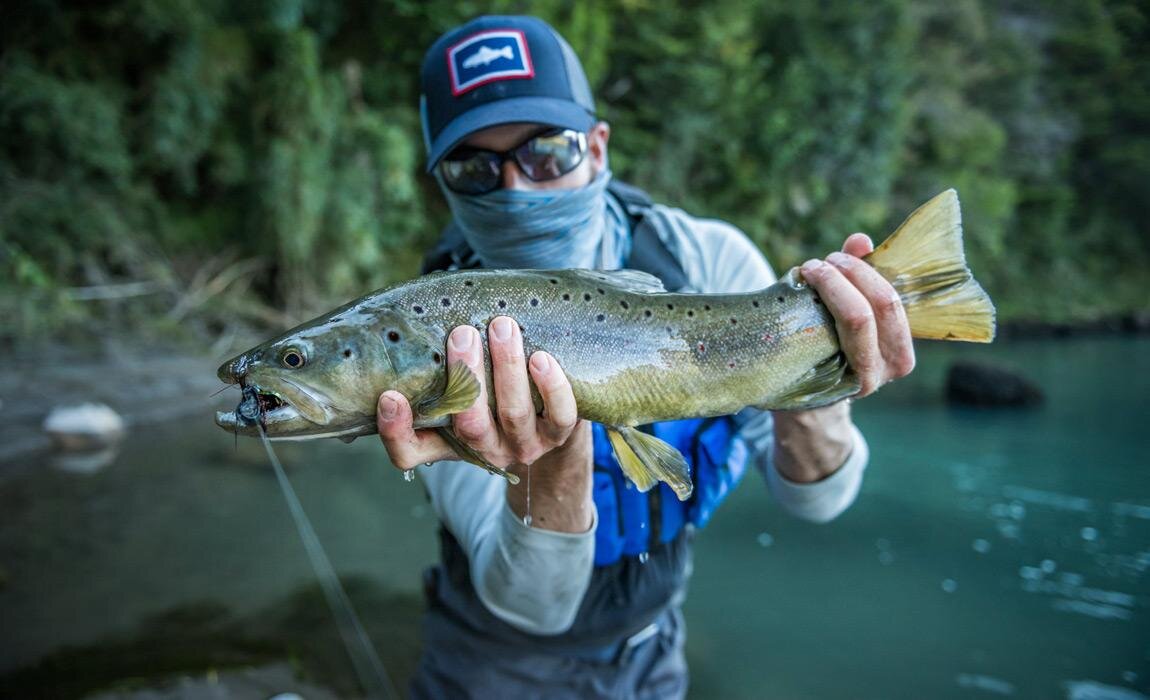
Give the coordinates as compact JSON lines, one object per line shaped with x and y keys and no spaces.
{"x":206,"y":165}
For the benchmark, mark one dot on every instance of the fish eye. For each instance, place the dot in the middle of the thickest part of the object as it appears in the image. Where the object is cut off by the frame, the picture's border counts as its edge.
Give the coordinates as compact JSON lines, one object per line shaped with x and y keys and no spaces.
{"x":292,"y":358}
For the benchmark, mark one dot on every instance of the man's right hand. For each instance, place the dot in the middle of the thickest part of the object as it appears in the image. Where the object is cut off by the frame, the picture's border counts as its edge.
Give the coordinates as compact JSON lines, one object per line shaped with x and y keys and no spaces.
{"x":514,"y":435}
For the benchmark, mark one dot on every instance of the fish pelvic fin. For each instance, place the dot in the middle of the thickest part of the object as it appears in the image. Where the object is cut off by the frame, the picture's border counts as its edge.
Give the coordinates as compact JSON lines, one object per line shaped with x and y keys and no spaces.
{"x":924,"y":261}
{"x":469,"y":455}
{"x":827,"y":382}
{"x":647,"y":460}
{"x":459,"y":393}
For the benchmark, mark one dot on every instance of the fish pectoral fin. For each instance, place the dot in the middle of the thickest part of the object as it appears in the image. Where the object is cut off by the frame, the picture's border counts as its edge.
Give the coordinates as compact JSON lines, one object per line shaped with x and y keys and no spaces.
{"x":459,"y":393}
{"x":827,"y":382}
{"x":647,"y":460}
{"x":469,"y":455}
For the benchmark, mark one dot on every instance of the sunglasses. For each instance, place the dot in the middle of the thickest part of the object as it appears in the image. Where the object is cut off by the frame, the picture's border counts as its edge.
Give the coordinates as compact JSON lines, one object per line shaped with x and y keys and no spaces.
{"x":545,"y":156}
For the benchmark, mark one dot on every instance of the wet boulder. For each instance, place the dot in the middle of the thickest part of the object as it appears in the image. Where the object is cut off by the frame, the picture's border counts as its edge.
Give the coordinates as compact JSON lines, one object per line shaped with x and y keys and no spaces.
{"x":87,"y":426}
{"x":981,"y":384}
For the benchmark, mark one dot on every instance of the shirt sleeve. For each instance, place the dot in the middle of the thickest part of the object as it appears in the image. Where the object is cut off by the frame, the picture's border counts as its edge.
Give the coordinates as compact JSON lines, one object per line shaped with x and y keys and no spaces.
{"x":719,"y":258}
{"x":531,"y":578}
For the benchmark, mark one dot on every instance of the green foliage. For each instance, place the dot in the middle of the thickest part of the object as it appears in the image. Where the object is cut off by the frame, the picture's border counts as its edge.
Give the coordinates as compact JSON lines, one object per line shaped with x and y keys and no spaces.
{"x":243,"y":157}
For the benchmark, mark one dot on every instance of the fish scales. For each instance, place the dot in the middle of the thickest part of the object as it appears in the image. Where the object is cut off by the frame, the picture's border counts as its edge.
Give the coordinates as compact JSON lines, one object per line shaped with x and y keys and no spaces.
{"x":634,"y":353}
{"x":635,"y":358}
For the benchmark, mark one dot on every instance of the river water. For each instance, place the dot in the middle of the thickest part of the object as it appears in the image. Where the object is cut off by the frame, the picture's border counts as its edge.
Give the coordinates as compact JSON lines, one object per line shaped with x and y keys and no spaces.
{"x":991,"y":553}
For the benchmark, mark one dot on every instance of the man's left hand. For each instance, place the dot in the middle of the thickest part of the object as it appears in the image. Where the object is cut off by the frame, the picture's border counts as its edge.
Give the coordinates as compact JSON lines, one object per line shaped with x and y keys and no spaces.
{"x":869,"y":317}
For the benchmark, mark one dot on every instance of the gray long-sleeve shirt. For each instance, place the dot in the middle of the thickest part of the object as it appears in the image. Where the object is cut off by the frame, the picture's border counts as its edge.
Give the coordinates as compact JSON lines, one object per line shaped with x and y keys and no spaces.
{"x":535,"y":579}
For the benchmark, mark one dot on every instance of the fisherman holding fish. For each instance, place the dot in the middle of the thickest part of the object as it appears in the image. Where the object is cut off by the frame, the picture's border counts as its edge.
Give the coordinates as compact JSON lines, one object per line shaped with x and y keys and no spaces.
{"x":569,"y":582}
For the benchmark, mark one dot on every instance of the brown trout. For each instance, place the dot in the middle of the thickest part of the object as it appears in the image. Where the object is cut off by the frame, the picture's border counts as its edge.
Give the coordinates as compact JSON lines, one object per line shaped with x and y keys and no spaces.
{"x":634,"y":353}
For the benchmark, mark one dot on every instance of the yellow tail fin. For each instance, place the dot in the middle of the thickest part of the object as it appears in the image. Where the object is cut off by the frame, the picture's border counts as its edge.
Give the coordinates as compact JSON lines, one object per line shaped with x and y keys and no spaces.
{"x":924,"y":261}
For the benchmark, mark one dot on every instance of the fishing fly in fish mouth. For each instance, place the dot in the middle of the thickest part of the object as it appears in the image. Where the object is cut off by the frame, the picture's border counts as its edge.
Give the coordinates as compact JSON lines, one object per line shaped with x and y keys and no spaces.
{"x":633,"y":353}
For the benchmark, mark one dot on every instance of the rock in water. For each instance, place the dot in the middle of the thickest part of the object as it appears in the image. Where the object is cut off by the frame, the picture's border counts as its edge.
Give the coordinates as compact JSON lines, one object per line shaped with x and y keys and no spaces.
{"x":979,"y":384}
{"x":86,"y":426}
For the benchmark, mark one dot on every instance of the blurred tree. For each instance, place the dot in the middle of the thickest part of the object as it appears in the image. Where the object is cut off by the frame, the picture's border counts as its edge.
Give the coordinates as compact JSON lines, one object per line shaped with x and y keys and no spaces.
{"x":186,"y":143}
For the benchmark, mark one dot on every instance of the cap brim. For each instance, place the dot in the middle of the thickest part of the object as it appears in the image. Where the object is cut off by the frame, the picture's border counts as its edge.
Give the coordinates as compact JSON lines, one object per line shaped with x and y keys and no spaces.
{"x":533,"y":110}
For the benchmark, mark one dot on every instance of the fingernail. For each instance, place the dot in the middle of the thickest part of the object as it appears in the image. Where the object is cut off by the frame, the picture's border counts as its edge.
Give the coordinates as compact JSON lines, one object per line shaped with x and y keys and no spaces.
{"x":461,"y":339}
{"x":838,"y":259}
{"x":540,"y":363}
{"x":501,"y":328}
{"x":387,"y":407}
{"x":812,"y":265}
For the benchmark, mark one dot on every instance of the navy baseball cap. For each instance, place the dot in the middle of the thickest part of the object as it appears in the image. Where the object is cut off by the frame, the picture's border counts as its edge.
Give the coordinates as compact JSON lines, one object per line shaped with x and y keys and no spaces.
{"x":500,"y":70}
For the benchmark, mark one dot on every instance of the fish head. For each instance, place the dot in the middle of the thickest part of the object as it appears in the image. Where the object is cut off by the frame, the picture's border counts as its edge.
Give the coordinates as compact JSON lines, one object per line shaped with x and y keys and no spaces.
{"x":323,"y":379}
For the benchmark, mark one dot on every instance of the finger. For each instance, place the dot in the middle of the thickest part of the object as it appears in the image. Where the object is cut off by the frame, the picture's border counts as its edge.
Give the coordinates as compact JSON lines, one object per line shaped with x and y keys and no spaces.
{"x":406,"y":446}
{"x":560,"y":413}
{"x":891,"y":324}
{"x":475,"y":426}
{"x":513,"y":403}
{"x":858,"y":245}
{"x":854,"y":321}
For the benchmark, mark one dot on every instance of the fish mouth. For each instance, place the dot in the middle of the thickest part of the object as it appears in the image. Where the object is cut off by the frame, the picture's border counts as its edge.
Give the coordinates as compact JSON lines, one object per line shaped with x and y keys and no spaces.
{"x":268,"y":409}
{"x":287,"y":407}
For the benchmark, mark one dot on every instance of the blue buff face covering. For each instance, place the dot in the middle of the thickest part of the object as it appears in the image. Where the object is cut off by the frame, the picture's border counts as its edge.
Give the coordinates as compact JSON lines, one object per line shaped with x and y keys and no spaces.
{"x":537,"y":228}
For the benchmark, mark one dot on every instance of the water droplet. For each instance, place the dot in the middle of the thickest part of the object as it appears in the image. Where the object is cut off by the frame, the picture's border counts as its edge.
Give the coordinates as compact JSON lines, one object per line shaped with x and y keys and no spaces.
{"x":981,"y":546}
{"x":429,"y":464}
{"x":949,"y":585}
{"x":1089,"y":534}
{"x":885,"y":558}
{"x":527,"y":520}
{"x":643,"y":557}
{"x":1048,"y":566}
{"x":764,"y":539}
{"x":409,"y":475}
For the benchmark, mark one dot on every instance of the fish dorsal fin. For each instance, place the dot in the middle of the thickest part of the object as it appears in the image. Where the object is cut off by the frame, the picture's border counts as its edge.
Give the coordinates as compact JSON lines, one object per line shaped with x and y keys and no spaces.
{"x":623,"y":280}
{"x":647,"y":460}
{"x":459,"y":393}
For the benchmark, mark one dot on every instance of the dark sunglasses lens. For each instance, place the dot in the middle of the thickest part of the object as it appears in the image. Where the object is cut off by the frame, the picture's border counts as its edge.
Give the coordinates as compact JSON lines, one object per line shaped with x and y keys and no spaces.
{"x":475,"y":173}
{"x":551,"y":155}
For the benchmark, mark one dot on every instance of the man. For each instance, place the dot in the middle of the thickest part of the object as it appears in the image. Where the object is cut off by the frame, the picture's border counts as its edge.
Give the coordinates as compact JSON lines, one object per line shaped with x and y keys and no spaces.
{"x":569,"y":583}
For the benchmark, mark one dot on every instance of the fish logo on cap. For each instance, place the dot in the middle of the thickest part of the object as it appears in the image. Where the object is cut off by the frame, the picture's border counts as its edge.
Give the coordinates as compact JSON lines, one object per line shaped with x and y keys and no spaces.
{"x":498,"y":54}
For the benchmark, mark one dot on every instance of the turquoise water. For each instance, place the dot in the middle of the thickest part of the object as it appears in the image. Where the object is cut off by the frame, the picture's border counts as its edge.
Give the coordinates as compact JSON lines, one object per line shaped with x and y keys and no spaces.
{"x":990,"y":554}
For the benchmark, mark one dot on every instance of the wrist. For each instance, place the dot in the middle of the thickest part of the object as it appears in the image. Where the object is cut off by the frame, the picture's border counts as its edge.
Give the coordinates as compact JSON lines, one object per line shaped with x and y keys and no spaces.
{"x":555,"y":491}
{"x":811,"y":445}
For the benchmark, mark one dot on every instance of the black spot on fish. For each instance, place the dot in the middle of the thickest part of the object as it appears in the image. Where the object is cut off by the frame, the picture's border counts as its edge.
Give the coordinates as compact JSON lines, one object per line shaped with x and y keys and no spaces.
{"x":600,"y":291}
{"x":779,"y":299}
{"x":535,"y":302}
{"x":669,"y":331}
{"x":553,"y":281}
{"x":818,"y":301}
{"x":702,"y":348}
{"x":691,"y":314}
{"x":600,"y":317}
{"x":502,"y":304}
{"x":417,"y":309}
{"x":347,"y":352}
{"x":731,"y":364}
{"x":468,"y":283}
{"x":755,"y":304}
{"x":706,"y":307}
{"x":586,"y":297}
{"x":670,"y":307}
{"x":436,"y":357}
{"x":393,"y":336}
{"x":566,"y":297}
{"x":624,"y":304}
{"x":445,"y":301}
{"x":647,"y":313}
{"x":734,"y":321}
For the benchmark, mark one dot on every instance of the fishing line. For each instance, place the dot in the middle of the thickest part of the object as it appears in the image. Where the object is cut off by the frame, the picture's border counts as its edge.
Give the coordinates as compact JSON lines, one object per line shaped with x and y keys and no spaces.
{"x":368,"y":666}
